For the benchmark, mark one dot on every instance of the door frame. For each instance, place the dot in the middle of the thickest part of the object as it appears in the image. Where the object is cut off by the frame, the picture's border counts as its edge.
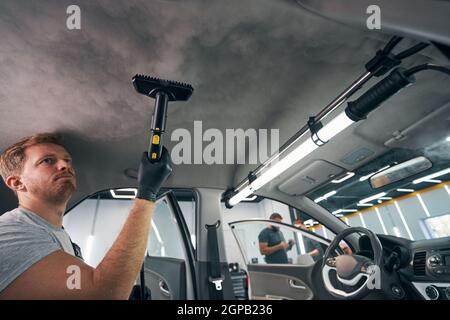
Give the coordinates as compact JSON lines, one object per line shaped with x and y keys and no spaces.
{"x":184,"y":232}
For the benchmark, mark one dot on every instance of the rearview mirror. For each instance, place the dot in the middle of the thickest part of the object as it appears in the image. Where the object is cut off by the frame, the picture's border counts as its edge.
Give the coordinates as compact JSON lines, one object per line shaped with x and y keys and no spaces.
{"x":400,"y":171}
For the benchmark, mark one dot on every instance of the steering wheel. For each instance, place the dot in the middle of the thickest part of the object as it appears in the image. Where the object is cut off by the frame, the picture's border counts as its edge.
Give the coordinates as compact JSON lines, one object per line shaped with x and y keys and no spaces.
{"x":351,"y":269}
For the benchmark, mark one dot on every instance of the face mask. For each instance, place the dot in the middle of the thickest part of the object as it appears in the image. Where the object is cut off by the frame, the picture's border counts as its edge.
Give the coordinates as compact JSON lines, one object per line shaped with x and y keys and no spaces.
{"x":275,"y":228}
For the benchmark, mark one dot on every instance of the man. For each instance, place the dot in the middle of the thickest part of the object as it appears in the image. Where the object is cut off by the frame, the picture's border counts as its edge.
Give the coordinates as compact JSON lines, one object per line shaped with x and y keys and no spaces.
{"x":312,"y":247}
{"x":272,"y":243}
{"x":36,"y":254}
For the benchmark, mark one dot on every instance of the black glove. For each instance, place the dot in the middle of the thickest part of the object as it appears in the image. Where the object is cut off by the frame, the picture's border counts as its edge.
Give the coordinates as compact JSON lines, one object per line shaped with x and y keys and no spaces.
{"x":152,"y":175}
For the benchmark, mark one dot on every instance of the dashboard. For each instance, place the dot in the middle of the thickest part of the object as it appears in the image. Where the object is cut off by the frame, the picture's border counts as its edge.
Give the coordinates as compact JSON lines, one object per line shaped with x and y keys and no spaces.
{"x":421,"y":267}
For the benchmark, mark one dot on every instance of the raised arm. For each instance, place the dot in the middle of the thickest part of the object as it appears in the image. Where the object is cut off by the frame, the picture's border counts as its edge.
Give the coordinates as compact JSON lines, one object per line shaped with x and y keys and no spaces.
{"x":56,"y":275}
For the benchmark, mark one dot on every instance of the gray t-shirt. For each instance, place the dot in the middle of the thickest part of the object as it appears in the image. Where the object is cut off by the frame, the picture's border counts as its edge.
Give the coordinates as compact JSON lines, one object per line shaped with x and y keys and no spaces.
{"x":274,"y":237}
{"x":26,"y":238}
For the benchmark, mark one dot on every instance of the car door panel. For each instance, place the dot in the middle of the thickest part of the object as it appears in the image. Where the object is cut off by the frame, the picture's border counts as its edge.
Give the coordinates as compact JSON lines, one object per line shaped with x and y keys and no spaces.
{"x":166,"y":278}
{"x":279,"y":283}
{"x":293,"y":280}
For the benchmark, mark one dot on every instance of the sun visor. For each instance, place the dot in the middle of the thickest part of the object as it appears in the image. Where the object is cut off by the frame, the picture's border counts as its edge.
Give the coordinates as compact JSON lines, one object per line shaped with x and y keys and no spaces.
{"x":427,"y":131}
{"x":310,"y":177}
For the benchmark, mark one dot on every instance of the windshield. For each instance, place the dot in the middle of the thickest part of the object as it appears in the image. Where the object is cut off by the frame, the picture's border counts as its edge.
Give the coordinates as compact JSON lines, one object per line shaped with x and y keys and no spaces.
{"x":415,"y":207}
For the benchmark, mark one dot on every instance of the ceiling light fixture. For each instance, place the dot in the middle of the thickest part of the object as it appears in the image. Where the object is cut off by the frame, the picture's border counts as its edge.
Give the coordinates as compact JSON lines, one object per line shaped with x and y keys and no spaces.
{"x":430,"y":177}
{"x":405,"y":190}
{"x":344,"y":210}
{"x":364,"y":204}
{"x":330,"y":130}
{"x":124,"y":196}
{"x":374,"y":197}
{"x":347,"y":176}
{"x":325,"y":196}
{"x":432,"y":181}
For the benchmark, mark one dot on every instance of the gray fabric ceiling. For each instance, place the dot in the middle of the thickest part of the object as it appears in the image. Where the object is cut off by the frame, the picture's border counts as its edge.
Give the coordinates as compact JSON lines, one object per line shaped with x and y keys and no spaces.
{"x":253,"y":64}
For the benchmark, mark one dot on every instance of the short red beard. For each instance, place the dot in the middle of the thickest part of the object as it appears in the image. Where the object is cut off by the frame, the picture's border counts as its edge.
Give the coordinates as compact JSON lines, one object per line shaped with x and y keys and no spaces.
{"x":65,"y":190}
{"x":59,"y":193}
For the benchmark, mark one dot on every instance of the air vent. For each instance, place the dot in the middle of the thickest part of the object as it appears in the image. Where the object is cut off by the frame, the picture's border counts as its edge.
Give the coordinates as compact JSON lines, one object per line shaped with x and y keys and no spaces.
{"x":419,"y":263}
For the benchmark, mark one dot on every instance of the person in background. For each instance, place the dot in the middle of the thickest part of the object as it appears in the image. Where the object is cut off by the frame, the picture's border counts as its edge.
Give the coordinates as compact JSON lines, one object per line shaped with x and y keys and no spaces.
{"x":312,"y":247}
{"x":272,"y":243}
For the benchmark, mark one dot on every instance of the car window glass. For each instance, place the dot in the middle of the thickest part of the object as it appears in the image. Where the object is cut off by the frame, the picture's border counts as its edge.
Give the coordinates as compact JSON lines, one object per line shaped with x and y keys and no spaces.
{"x":263,"y":208}
{"x":95,"y":223}
{"x":300,"y":248}
{"x":415,"y":207}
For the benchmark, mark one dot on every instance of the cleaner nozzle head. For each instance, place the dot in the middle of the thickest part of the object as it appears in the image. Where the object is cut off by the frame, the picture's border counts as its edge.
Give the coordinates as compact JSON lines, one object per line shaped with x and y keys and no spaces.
{"x":150,"y":86}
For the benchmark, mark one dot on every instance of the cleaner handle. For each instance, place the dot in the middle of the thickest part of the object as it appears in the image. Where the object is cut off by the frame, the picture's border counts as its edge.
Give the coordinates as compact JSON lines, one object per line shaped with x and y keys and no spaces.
{"x":158,"y":126}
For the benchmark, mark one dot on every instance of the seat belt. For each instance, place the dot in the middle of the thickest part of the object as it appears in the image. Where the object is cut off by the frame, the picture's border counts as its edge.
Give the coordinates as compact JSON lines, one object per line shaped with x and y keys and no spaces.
{"x":215,"y":276}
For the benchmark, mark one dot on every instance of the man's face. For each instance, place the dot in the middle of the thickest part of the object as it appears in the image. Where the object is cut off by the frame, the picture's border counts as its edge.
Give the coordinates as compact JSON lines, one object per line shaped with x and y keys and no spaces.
{"x":299,"y":224}
{"x":48,"y":173}
{"x":276,"y":227}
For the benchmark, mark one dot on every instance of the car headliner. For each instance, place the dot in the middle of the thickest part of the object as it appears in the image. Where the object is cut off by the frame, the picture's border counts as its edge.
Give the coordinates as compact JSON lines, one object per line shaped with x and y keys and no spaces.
{"x":253,"y":64}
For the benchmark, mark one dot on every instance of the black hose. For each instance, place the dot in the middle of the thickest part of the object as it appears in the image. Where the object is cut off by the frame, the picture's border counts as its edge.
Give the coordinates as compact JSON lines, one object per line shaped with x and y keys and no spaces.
{"x":427,"y":66}
{"x":384,"y":60}
{"x":411,"y":51}
{"x":380,"y":92}
{"x":391,"y":44}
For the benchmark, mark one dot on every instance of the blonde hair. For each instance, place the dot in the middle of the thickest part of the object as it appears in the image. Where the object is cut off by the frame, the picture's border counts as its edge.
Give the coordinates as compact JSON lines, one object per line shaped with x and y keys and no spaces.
{"x":13,"y":158}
